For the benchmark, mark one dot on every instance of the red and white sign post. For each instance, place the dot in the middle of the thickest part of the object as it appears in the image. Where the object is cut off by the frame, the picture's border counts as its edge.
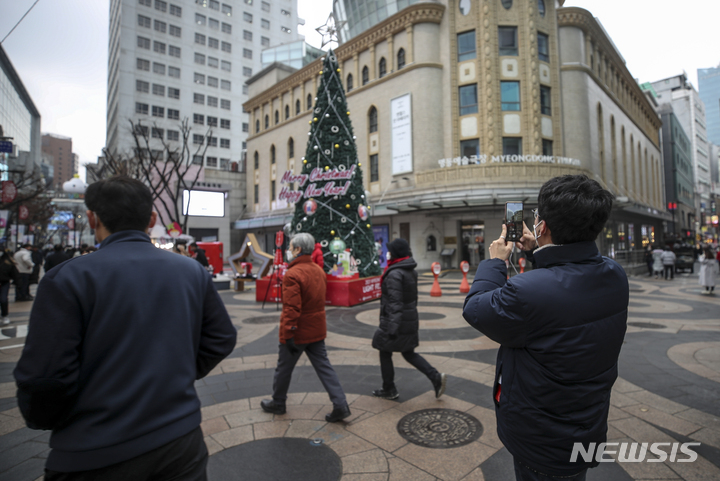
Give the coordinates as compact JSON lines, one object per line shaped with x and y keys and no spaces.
{"x":435,"y":290}
{"x":464,"y":286}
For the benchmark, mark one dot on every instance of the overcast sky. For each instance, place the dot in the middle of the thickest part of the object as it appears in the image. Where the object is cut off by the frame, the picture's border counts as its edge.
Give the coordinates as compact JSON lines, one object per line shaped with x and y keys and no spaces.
{"x":60,"y":51}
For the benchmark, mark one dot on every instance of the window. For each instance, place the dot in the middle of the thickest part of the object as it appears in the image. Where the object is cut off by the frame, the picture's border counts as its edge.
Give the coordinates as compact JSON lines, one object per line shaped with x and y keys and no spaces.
{"x":285,"y":30}
{"x":213,"y":42}
{"x":197,"y":159}
{"x":272,"y":154}
{"x":309,"y":102}
{"x":144,"y":21}
{"x":159,"y":47}
{"x":510,"y":96}
{"x":265,"y":41}
{"x":365,"y":75}
{"x":225,"y":85}
{"x":265,"y":7}
{"x":173,"y":93}
{"x":143,"y":42}
{"x":175,"y":31}
{"x":372,"y":120}
{"x":297,"y":106}
{"x":160,"y":26}
{"x":224,"y":143}
{"x":225,"y":124}
{"x":541,"y":7}
{"x":174,"y":72}
{"x":214,"y":5}
{"x":349,"y":83}
{"x":267,"y":121}
{"x":512,"y":146}
{"x":214,"y":24}
{"x":545,"y":100}
{"x":141,"y":86}
{"x":291,"y":148}
{"x":287,"y":112}
{"x":199,"y":78}
{"x":147,"y":3}
{"x":199,"y":99}
{"x":466,"y":46}
{"x":257,"y":128}
{"x":227,"y":66}
{"x":225,"y":104}
{"x":157,"y":133}
{"x":213,"y":62}
{"x":212,"y":81}
{"x":469,"y":148}
{"x":212,"y":121}
{"x":277,"y":117}
{"x":174,"y":51}
{"x":382,"y":67}
{"x":226,"y":28}
{"x":507,"y":4}
{"x":468,"y":99}
{"x":198,"y":119}
{"x":173,"y":114}
{"x":507,"y":37}
{"x":141,"y":108}
{"x":374,"y":168}
{"x":247,"y":17}
{"x":200,"y":39}
{"x":212,"y":101}
{"x":200,"y":19}
{"x":285,"y":12}
{"x":247,"y":35}
{"x":226,"y":47}
{"x":401,"y":58}
{"x":212,"y":141}
{"x":247,"y":71}
{"x":199,"y":58}
{"x":175,"y":10}
{"x":143,"y":64}
{"x":173,"y":134}
{"x":227,"y":10}
{"x":245,"y":127}
{"x":265,"y":24}
{"x":212,"y":162}
{"x":161,"y":6}
{"x":142,"y":130}
{"x":159,"y":68}
{"x":159,"y":90}
{"x":257,"y":193}
{"x":543,"y":47}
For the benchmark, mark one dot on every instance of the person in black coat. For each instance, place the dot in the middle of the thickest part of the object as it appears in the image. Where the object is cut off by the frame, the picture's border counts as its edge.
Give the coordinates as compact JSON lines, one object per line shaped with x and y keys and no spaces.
{"x":56,"y":258}
{"x":560,"y":328}
{"x":399,"y":322}
{"x":8,"y":272}
{"x":199,"y":254}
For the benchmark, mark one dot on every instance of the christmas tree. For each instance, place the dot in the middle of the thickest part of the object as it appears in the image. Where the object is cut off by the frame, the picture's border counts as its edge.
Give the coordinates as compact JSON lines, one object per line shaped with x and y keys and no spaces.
{"x":330,"y":200}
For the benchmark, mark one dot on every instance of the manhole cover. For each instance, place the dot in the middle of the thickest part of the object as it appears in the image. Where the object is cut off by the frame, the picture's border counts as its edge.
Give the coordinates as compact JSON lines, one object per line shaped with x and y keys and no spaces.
{"x":431,"y":316}
{"x":263,"y":320}
{"x":646,"y":325}
{"x":440,"y":428}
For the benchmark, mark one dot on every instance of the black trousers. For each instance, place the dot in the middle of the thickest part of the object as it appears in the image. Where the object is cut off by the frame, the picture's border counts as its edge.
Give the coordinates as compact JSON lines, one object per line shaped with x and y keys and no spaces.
{"x":184,"y":459}
{"x":418,"y":362}
{"x":22,"y":287}
{"x":671,"y":270}
{"x":525,"y":473}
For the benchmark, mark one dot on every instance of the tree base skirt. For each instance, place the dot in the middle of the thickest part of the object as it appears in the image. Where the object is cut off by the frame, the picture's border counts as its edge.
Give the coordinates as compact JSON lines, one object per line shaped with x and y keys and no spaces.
{"x":344,"y":293}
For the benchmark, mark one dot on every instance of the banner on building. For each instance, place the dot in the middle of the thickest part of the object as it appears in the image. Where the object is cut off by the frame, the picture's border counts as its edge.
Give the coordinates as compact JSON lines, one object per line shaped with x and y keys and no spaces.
{"x":382,"y":237}
{"x":401,"y":125}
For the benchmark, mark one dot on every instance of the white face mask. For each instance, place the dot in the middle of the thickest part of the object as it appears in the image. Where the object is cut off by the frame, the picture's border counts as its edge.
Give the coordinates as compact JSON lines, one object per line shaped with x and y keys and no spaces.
{"x":388,"y":256}
{"x":289,"y":255}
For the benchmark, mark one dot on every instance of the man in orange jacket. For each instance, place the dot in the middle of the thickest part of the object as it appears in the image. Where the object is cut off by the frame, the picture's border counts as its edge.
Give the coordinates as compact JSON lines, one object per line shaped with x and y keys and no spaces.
{"x":303,"y":329}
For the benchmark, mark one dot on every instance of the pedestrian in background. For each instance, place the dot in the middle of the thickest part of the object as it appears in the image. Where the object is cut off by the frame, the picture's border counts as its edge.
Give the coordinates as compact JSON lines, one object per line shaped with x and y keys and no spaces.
{"x":114,"y":349}
{"x":56,"y":258}
{"x":37,"y":258}
{"x":317,"y":256}
{"x":708,"y":270}
{"x":657,"y":261}
{"x":668,"y":261}
{"x":649,"y":260}
{"x":8,"y":273}
{"x":303,"y":328}
{"x":199,"y":255}
{"x":23,"y":260}
{"x":399,"y":321}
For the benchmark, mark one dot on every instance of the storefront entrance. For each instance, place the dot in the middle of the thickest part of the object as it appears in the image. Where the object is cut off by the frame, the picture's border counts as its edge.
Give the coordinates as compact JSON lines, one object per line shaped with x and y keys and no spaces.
{"x":472,"y":242}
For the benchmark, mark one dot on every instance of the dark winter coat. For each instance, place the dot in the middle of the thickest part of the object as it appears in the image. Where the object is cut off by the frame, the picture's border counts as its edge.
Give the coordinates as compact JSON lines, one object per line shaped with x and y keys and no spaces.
{"x":399,"y":323}
{"x":201,"y":257}
{"x":54,"y":259}
{"x":560,"y":328}
{"x":8,"y":272}
{"x":303,"y":295}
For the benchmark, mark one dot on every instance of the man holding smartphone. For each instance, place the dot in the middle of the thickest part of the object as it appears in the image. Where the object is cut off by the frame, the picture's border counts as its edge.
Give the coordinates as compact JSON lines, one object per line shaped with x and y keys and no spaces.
{"x":560,"y":328}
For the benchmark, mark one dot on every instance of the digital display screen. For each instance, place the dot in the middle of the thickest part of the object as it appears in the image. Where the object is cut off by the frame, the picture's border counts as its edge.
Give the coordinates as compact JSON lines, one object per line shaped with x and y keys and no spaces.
{"x":203,"y":203}
{"x":60,"y":220}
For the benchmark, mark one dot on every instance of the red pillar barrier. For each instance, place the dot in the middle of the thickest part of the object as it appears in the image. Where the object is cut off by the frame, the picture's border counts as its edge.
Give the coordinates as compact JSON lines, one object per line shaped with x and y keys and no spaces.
{"x":464,"y":286}
{"x":435,"y":290}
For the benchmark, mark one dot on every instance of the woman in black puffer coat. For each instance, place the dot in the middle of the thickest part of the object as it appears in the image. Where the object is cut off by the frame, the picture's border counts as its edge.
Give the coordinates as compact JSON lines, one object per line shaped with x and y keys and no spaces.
{"x":398,"y":331}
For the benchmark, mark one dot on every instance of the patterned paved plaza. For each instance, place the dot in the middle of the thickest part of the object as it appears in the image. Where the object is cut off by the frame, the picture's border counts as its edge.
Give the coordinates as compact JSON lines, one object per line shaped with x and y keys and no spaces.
{"x":668,"y":391}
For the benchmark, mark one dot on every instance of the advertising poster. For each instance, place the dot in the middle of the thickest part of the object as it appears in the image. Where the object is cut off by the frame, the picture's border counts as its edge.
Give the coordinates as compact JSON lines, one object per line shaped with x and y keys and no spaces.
{"x":381,"y":234}
{"x":401,"y":128}
{"x":4,"y":215}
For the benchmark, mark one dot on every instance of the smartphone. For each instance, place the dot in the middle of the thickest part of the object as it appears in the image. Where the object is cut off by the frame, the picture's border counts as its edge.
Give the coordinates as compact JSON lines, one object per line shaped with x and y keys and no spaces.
{"x":513,"y":221}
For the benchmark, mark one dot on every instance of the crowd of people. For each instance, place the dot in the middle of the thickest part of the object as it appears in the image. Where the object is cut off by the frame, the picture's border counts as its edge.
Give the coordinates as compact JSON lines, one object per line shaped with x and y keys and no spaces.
{"x":661,"y":263}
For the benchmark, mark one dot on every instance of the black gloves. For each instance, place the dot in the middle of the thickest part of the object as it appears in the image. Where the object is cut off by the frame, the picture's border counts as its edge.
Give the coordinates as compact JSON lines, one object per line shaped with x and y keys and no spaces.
{"x":290,"y":344}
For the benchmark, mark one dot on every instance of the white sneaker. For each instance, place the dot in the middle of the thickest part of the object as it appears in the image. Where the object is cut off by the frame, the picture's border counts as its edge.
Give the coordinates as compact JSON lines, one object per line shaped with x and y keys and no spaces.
{"x":6,"y":321}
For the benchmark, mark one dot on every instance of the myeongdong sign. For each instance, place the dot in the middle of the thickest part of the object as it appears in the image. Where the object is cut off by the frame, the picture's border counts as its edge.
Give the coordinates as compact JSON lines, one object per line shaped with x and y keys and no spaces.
{"x":330,"y":189}
{"x":484,"y":159}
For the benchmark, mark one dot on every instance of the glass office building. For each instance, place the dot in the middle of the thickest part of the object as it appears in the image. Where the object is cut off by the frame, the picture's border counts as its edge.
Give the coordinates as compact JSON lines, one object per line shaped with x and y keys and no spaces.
{"x":709,"y":89}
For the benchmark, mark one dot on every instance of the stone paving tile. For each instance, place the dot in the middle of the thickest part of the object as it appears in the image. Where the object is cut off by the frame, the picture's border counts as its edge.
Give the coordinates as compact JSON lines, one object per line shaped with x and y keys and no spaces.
{"x":271,"y":429}
{"x":331,"y":433}
{"x":372,"y":461}
{"x":299,"y":411}
{"x":707,"y":436}
{"x":214,"y":425}
{"x":699,"y":470}
{"x":233,"y":437}
{"x":225,"y":408}
{"x":303,"y":428}
{"x":701,"y":418}
{"x":366,"y":477}
{"x":351,"y":444}
{"x":16,"y":437}
{"x":212,"y":445}
{"x":662,"y":419}
{"x":402,"y":471}
{"x":9,"y":424}
{"x":476,"y":475}
{"x":248,"y":417}
{"x":428,"y":401}
{"x":645,"y":470}
{"x":489,"y":423}
{"x":436,"y":461}
{"x":7,"y":390}
{"x":621,"y":400}
{"x":379,"y":430}
{"x":20,"y":453}
{"x":373,"y":404}
{"x":25,"y":471}
{"x":658,"y":402}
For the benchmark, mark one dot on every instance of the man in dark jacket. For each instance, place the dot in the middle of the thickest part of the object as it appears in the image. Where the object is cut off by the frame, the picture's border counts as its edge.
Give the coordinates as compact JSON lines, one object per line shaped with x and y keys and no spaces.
{"x":199,"y":254}
{"x":560,"y":328}
{"x":303,"y":328}
{"x":116,"y":341}
{"x":56,"y":258}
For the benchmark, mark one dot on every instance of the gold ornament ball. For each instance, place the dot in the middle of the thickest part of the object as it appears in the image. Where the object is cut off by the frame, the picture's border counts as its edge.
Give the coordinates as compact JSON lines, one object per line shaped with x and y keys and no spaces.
{"x":332,"y":232}
{"x":327,"y":168}
{"x":359,"y":164}
{"x":310,"y":122}
{"x":338,"y":70}
{"x":367,"y":225}
{"x":348,"y":112}
{"x":304,"y":161}
{"x":314,"y":119}
{"x":337,"y":146}
{"x":347,"y":206}
{"x":321,"y":72}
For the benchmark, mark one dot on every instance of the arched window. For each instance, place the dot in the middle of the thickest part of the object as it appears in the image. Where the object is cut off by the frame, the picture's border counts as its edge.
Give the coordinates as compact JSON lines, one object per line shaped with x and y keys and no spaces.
{"x":601,"y":142}
{"x":291,"y":148}
{"x":624,"y":157}
{"x":257,"y":126}
{"x":349,"y":83}
{"x":277,"y":117}
{"x":287,"y":112}
{"x":372,"y":120}
{"x":541,"y":7}
{"x":613,"y":154}
{"x":256,"y":159}
{"x":272,"y":154}
{"x":633,"y":166}
{"x":506,"y":3}
{"x":382,"y":67}
{"x":639,"y":170}
{"x":309,"y":102}
{"x":401,"y":58}
{"x":297,"y":106}
{"x":365,"y":75}
{"x":267,"y":121}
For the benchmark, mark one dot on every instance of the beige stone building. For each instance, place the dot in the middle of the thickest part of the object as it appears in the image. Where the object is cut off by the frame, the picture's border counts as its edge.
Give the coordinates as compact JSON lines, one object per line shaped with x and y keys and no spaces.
{"x":501,"y":95}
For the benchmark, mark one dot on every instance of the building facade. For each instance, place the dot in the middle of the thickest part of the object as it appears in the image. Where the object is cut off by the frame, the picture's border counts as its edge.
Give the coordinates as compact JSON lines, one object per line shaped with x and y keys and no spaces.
{"x":64,"y":161}
{"x":709,"y":90}
{"x":500,"y":95}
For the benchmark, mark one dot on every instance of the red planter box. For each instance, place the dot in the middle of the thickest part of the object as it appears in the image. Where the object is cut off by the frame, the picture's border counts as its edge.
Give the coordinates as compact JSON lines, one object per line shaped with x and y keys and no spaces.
{"x":345,"y":293}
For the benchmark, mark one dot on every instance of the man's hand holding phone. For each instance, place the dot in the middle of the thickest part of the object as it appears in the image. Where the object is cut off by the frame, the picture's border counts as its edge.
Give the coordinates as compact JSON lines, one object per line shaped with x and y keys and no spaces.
{"x":500,"y":248}
{"x":527,"y":241}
